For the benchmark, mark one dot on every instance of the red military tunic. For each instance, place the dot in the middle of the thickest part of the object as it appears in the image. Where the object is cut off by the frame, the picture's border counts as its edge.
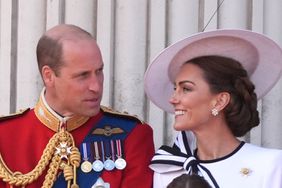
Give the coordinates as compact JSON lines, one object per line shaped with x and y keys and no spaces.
{"x":24,"y":137}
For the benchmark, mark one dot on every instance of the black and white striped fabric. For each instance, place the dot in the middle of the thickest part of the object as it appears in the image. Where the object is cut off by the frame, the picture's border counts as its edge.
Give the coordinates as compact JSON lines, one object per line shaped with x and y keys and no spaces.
{"x":179,"y":157}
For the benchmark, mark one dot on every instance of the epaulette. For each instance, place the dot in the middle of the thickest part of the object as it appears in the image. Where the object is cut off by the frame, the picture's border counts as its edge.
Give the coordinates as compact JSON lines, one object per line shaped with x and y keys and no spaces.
{"x":121,"y":114}
{"x":13,"y":115}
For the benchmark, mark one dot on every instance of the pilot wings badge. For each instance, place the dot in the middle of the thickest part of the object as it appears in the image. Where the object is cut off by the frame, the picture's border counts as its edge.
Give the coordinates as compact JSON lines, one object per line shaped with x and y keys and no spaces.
{"x":107,"y":131}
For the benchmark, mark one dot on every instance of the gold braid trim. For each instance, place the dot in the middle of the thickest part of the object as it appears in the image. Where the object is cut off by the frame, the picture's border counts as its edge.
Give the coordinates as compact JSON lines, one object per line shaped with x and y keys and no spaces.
{"x":49,"y":154}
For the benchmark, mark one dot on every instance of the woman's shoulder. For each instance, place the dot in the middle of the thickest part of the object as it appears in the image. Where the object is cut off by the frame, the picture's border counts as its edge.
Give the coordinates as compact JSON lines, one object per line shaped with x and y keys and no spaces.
{"x":262,"y":152}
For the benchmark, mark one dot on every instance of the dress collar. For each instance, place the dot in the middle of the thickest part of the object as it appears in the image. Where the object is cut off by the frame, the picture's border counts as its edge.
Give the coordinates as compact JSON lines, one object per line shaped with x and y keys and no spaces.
{"x":53,"y":120}
{"x":179,"y":157}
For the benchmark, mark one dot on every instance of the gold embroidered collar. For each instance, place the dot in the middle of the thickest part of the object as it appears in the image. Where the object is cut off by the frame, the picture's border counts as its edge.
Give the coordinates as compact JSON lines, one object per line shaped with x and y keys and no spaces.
{"x":53,"y":120}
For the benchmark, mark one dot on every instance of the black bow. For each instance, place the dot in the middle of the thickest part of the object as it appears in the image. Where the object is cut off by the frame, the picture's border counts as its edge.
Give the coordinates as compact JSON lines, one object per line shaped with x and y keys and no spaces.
{"x":177,"y":157}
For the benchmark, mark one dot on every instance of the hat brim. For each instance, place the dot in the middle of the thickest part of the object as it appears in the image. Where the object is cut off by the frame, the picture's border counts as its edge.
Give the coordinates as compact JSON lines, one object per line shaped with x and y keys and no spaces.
{"x":258,"y":54}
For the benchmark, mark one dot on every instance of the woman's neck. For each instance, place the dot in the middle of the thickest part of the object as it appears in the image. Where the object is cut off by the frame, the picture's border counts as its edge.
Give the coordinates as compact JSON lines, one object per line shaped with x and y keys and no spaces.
{"x":216,"y":143}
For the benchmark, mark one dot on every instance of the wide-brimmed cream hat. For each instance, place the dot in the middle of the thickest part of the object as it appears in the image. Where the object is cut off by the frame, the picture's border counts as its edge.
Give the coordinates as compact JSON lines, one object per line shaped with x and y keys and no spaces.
{"x":260,"y":56}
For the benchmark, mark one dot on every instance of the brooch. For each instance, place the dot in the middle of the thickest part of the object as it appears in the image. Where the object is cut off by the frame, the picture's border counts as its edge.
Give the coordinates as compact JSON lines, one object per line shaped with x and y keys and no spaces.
{"x":245,"y":171}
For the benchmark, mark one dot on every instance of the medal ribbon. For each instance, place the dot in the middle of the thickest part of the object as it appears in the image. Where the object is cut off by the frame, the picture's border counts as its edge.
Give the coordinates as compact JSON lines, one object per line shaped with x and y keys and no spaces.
{"x":103,"y":151}
{"x":85,"y":149}
{"x":113,"y":150}
{"x":96,"y":151}
{"x":118,"y":144}
{"x":107,"y":149}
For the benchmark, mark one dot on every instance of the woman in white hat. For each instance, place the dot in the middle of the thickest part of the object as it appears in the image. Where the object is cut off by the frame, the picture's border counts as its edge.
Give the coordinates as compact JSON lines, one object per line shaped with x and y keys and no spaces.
{"x":211,"y":81}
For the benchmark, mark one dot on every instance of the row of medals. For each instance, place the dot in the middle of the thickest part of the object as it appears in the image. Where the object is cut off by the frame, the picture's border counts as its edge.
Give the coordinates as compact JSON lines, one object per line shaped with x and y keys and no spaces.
{"x":98,"y":165}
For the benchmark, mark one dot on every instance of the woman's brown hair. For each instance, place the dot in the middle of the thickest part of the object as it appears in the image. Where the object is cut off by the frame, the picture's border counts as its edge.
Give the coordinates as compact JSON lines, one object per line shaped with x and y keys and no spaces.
{"x":228,"y":75}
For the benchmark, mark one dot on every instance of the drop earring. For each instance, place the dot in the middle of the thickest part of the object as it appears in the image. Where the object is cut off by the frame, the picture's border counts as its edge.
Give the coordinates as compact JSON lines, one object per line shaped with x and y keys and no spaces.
{"x":214,"y":112}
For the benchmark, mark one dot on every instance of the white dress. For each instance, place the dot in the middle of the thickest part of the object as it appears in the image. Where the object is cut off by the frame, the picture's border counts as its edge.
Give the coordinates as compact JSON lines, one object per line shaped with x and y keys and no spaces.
{"x":249,"y":166}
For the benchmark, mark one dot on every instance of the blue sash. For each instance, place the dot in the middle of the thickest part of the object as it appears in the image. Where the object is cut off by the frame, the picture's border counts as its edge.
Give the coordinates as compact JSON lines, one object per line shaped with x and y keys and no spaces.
{"x":86,"y":180}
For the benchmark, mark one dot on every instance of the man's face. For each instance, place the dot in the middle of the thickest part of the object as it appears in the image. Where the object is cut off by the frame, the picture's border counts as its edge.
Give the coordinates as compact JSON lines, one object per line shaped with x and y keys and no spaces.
{"x":78,"y":88}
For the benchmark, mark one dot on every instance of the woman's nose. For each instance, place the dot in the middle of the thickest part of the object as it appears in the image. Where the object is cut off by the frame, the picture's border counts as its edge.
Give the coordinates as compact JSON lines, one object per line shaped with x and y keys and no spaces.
{"x":173,"y":99}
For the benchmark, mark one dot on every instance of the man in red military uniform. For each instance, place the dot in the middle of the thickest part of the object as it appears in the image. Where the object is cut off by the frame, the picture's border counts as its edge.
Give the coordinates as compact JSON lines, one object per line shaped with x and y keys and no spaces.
{"x":68,"y":139}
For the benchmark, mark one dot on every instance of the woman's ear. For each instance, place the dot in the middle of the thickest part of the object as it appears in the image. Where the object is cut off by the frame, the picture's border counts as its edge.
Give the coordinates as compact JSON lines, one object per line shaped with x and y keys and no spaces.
{"x":47,"y":75}
{"x":221,"y":100}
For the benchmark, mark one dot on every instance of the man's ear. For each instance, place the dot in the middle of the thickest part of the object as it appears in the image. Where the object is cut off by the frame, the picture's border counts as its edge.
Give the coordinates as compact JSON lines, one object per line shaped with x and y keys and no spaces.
{"x":47,"y":75}
{"x":221,"y":100}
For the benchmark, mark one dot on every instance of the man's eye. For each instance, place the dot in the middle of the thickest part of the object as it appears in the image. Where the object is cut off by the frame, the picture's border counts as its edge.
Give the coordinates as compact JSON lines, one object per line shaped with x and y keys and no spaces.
{"x":84,"y":74}
{"x":99,"y":71}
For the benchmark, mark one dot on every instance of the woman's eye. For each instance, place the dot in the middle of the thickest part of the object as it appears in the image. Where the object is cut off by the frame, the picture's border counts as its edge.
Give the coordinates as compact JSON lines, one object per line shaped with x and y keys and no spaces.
{"x":186,"y":89}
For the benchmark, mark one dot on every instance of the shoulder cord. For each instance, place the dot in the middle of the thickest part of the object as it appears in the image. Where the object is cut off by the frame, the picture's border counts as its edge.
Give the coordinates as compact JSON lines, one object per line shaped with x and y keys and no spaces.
{"x":56,"y":152}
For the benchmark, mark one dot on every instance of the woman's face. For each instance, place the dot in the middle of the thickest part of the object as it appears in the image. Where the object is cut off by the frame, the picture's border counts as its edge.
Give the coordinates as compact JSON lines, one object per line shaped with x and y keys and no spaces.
{"x":192,"y":99}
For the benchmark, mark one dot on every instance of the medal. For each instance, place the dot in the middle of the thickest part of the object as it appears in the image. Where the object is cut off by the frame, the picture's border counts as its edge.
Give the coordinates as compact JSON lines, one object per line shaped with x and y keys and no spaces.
{"x":97,"y":165}
{"x":120,"y":163}
{"x":109,"y":165}
{"x":85,"y":166}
